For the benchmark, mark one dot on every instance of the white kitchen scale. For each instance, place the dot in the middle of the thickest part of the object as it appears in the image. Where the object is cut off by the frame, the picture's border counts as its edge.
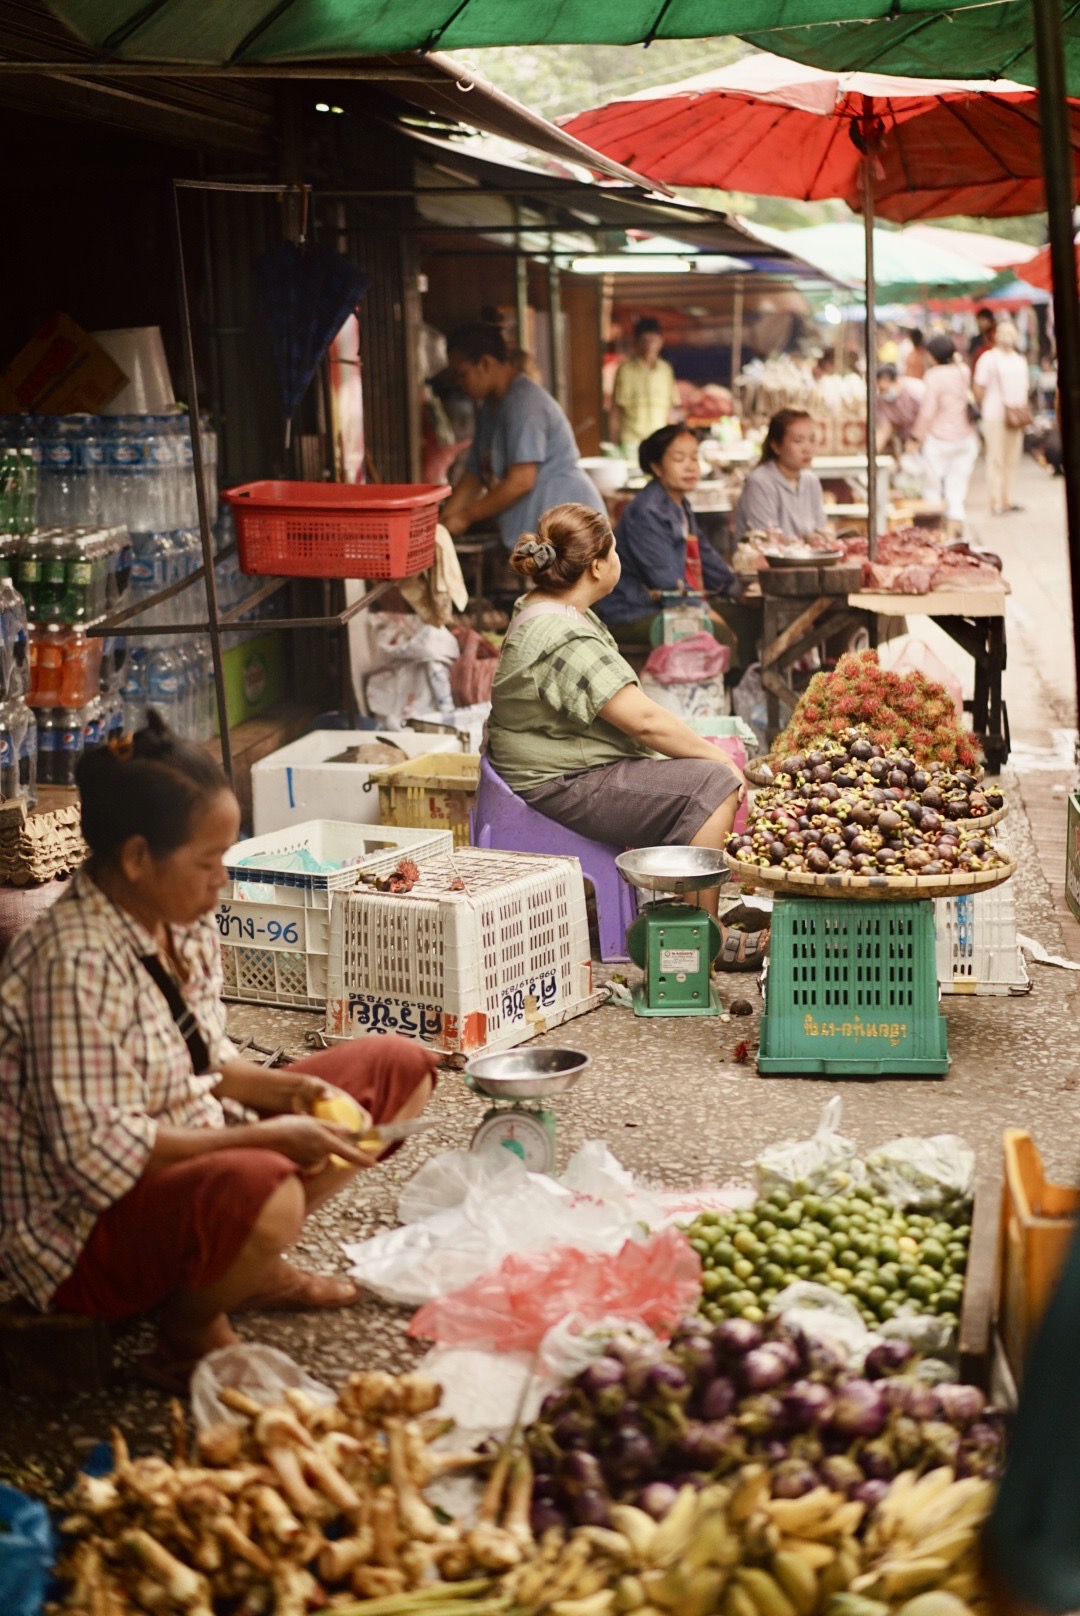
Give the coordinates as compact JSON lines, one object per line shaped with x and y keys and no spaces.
{"x":513,"y":1076}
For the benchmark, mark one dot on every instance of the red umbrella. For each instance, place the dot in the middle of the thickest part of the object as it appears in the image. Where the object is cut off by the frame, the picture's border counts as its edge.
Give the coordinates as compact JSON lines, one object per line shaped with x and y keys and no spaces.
{"x":1037,"y":270}
{"x":772,"y":128}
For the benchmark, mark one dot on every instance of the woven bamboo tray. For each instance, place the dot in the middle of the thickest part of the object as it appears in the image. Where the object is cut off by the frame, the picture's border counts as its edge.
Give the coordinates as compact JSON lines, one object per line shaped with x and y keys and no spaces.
{"x":805,"y":884}
{"x":994,"y":817}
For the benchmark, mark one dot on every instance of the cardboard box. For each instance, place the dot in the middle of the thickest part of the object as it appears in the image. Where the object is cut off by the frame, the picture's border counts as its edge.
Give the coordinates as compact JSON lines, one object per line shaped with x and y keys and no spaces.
{"x":61,"y":371}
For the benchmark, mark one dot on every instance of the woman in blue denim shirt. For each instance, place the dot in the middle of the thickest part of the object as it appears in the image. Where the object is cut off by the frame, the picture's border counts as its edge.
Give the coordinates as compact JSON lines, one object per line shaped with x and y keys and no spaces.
{"x":651,"y":537}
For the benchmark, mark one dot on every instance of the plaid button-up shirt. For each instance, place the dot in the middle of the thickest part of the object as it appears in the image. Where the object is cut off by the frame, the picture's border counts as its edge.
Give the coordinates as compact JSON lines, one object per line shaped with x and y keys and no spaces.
{"x":91,"y":1061}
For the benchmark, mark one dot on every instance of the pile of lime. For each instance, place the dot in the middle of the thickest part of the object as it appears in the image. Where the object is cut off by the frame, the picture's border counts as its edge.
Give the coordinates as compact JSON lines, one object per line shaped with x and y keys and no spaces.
{"x":858,"y":1243}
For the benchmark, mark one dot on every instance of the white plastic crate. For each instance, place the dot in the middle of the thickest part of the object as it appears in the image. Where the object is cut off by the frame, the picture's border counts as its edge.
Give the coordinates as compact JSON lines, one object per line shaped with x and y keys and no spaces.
{"x":300,"y":782}
{"x":481,"y":969}
{"x":275,"y":921}
{"x":977,"y":950}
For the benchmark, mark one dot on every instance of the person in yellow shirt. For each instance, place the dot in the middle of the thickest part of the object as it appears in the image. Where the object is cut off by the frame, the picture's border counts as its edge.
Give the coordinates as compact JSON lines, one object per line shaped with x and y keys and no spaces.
{"x":645,"y":397}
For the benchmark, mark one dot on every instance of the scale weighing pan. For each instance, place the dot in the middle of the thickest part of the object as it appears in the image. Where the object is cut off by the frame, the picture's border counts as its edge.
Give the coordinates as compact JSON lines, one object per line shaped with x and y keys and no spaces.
{"x":526,"y":1074}
{"x":673,"y":869}
{"x":812,"y":558}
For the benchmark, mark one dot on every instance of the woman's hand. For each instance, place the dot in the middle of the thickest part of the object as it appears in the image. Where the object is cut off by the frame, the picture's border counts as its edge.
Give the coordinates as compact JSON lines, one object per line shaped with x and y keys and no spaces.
{"x":456,"y":523}
{"x":272,"y":1093}
{"x":311,"y":1143}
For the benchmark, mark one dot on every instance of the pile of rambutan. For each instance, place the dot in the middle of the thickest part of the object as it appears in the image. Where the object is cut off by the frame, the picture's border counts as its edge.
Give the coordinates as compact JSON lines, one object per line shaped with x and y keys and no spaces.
{"x":895,"y":710}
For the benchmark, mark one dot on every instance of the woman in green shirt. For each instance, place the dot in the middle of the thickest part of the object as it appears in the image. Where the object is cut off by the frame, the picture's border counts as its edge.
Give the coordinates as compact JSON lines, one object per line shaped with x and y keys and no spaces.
{"x":571,"y":730}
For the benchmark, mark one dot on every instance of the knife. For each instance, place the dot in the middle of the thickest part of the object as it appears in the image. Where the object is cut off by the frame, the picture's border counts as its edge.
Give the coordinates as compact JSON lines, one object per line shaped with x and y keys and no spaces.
{"x":388,"y":1133}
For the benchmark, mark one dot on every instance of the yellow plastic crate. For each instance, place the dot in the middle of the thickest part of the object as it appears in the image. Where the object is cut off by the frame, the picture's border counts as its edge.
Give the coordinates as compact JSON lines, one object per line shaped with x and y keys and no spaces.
{"x":434,"y":791}
{"x":1038,"y":1222}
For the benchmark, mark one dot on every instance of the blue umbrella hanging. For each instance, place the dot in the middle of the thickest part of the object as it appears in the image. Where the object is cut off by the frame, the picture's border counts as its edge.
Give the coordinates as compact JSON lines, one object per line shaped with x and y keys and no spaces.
{"x":307,"y":294}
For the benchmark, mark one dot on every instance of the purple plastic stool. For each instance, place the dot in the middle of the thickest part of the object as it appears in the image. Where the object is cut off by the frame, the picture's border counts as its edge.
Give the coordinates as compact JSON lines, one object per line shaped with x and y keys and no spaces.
{"x":499,"y":818}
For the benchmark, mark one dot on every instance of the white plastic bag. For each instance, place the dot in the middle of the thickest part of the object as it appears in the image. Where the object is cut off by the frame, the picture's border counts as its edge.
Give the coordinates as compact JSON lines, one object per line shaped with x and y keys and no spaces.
{"x":750,"y":701}
{"x":928,"y":1175}
{"x":468,"y":1211}
{"x":261,"y":1372}
{"x":824,"y":1163}
{"x":832,"y":1319}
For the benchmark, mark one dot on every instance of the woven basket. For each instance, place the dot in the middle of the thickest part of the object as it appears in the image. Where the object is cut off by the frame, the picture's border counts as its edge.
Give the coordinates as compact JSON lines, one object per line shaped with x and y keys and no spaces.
{"x":804,"y":884}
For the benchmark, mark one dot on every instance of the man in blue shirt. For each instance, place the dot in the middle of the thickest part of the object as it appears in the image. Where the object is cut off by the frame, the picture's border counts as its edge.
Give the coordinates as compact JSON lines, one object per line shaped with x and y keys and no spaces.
{"x":524,"y":458}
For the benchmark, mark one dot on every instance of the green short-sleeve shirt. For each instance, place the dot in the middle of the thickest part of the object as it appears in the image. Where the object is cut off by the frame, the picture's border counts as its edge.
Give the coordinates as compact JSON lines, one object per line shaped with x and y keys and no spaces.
{"x":555,"y":673}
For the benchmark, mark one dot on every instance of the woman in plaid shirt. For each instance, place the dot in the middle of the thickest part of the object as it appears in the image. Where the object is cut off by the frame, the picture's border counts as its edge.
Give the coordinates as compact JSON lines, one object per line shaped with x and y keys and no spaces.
{"x":143,"y":1163}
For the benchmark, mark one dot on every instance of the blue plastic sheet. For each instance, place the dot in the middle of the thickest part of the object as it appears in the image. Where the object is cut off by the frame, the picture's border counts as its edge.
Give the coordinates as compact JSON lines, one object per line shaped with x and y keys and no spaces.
{"x":27,"y":1552}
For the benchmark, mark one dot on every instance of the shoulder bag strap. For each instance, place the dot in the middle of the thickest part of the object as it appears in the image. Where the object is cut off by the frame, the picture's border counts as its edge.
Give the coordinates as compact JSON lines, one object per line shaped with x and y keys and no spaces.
{"x":197,"y":1046}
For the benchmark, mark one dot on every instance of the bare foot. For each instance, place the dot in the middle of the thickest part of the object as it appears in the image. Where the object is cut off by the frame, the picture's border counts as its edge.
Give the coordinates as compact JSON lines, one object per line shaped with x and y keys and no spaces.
{"x":171,"y":1364}
{"x":296,"y":1290}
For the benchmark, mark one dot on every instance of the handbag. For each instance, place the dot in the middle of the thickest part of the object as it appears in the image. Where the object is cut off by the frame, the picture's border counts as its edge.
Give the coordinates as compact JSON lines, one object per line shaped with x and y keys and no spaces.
{"x":1018,"y":416}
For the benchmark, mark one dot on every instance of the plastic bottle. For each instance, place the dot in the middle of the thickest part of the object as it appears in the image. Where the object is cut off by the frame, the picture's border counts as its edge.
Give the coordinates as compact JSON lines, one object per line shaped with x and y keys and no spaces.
{"x":165,"y":684}
{"x":9,"y":756}
{"x":28,"y":752}
{"x":94,"y":733}
{"x":48,"y":747}
{"x":134,"y":688}
{"x":155,"y":565}
{"x":71,"y":723}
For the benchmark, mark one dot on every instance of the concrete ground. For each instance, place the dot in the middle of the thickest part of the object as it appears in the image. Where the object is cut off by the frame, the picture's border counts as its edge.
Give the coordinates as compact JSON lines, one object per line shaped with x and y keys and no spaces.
{"x":667,"y":1095}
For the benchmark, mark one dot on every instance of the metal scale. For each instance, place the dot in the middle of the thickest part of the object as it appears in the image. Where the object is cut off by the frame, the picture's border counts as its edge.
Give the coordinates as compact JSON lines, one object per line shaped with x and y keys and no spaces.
{"x":674,"y":943}
{"x":510,"y":1077}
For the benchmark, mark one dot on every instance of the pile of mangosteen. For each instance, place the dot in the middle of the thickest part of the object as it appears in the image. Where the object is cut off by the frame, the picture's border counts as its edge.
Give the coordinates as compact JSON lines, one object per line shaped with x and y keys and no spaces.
{"x":850,"y":807}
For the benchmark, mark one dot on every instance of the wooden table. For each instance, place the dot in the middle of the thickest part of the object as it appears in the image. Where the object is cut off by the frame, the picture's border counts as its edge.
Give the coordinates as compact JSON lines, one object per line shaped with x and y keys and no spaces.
{"x":975,"y":619}
{"x":792,"y":626}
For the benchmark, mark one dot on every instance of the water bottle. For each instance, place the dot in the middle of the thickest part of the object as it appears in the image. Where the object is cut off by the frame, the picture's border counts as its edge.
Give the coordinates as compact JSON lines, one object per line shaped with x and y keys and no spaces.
{"x":94,"y":733}
{"x":114,"y":715}
{"x":133,"y":691}
{"x":14,"y":647}
{"x":25,"y":733}
{"x":209,"y":444}
{"x":165,"y":684}
{"x":153,"y":567}
{"x":128,"y":475}
{"x":71,"y":459}
{"x":207,"y":714}
{"x":9,"y":756}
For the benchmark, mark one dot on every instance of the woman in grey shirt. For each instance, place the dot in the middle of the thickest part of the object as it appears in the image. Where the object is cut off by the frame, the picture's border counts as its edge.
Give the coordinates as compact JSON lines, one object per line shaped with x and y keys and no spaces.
{"x":782,"y":494}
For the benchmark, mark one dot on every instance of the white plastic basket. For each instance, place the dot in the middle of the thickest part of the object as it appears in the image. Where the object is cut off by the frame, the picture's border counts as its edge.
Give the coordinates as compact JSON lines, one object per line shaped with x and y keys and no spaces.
{"x":484,"y":968}
{"x":977,"y":950}
{"x":275,"y":921}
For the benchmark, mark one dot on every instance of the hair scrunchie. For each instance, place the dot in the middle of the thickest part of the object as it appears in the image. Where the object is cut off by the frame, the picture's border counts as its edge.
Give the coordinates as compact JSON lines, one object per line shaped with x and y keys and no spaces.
{"x":543,"y":554}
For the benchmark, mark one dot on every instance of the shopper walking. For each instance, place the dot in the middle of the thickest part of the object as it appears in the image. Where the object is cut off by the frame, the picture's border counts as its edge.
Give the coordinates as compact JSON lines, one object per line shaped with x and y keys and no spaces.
{"x":945,"y":433}
{"x":1000,"y":384}
{"x":645,"y":397}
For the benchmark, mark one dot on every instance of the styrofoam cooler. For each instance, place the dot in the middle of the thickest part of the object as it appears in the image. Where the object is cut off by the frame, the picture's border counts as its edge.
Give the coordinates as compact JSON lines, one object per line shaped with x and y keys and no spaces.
{"x":274,"y":921}
{"x":485,"y":966}
{"x":298,"y":782}
{"x":977,"y":948}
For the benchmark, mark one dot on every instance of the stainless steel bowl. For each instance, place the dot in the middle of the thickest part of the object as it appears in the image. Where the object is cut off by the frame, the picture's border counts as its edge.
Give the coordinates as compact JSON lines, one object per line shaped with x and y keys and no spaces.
{"x":525,"y":1074}
{"x":673,"y":869}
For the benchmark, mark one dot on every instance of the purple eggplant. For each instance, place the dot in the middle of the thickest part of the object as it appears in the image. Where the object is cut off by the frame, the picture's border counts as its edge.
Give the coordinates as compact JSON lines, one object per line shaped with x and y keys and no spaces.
{"x":877,"y":1461}
{"x":761,"y":1416}
{"x":707,"y":1444}
{"x":667,"y":1383}
{"x":860,"y":1409}
{"x":887,"y":1358}
{"x":960,"y":1405}
{"x":941,"y":1442}
{"x":657,"y":1498}
{"x":870,"y":1493}
{"x":806,"y":1402}
{"x":592,"y":1508}
{"x":792,"y":1479}
{"x":841,"y":1473}
{"x":718,"y":1398}
{"x":544,"y":1515}
{"x":600,"y":1374}
{"x":580,"y":1472}
{"x":736,"y":1337}
{"x":762,"y":1368}
{"x":631,"y":1454}
{"x":697,"y":1356}
{"x":574,"y":1430}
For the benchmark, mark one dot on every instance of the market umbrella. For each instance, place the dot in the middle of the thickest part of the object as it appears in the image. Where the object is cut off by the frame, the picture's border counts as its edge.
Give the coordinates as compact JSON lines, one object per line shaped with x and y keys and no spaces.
{"x":997,"y":251}
{"x":1038,"y":271}
{"x":307,"y":293}
{"x":904,"y":270}
{"x":906,"y":148}
{"x":989,"y":37}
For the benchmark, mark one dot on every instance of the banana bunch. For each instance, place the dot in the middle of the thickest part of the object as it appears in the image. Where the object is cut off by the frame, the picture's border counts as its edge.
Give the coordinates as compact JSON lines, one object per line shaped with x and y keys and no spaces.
{"x":807,"y":1547}
{"x":925,"y":1536}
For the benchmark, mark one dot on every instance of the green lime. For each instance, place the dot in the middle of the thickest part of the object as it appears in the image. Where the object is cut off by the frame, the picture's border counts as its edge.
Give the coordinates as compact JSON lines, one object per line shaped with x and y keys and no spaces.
{"x":877,"y":1294}
{"x":842,"y":1278}
{"x":725,"y":1253}
{"x":820,"y":1258}
{"x":920,"y":1288}
{"x":805,"y":1271}
{"x":840,"y":1224}
{"x":702,"y":1247}
{"x":932,"y":1253}
{"x":767,"y":1229}
{"x":780,"y":1252}
{"x":848,"y":1258}
{"x":743,"y":1241}
{"x":780,"y":1198}
{"x":711,"y":1282}
{"x":756,"y":1284}
{"x":728,"y":1283}
{"x":707,"y":1220}
{"x":753,"y":1313}
{"x":772,"y":1274}
{"x":888,"y":1250}
{"x":742,"y":1267}
{"x":800,"y":1253}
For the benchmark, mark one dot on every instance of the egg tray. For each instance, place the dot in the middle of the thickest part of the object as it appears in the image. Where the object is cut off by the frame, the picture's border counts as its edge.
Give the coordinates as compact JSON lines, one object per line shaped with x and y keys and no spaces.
{"x":837,"y":884}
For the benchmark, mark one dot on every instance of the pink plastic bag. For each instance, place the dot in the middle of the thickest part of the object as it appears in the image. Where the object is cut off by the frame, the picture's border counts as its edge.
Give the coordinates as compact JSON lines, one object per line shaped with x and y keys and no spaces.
{"x":513,"y":1307}
{"x":690,"y":661}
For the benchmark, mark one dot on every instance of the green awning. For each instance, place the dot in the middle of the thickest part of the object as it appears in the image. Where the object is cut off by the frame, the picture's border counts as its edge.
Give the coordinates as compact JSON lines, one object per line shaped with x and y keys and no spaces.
{"x":903,"y":269}
{"x":986,"y":38}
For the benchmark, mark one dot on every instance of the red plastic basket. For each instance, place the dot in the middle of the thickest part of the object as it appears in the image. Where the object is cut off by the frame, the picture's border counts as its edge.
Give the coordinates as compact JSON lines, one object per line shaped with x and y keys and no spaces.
{"x":336,"y":530}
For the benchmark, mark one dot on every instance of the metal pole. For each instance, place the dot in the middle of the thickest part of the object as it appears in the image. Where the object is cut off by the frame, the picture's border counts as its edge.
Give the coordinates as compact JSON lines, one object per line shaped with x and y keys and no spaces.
{"x":205,"y":531}
{"x":871,"y":344}
{"x":1060,"y":199}
{"x":558,"y":347}
{"x":737,"y":333}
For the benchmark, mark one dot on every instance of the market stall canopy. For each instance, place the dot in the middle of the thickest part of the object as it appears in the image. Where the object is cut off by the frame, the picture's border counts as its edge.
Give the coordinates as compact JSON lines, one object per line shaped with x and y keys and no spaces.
{"x":997,"y":251}
{"x":903,"y":269}
{"x":990,"y":37}
{"x":770,"y":127}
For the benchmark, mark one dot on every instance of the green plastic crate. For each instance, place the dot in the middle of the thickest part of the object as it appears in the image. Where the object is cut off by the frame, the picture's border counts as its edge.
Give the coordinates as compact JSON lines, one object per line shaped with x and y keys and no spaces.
{"x":852,"y":990}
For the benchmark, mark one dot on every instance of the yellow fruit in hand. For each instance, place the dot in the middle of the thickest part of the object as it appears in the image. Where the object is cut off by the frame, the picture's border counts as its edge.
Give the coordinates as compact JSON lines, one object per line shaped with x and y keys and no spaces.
{"x":340,"y":1108}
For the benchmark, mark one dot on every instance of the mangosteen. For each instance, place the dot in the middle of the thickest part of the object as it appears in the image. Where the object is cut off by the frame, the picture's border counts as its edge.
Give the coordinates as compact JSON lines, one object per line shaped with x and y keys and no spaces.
{"x":907,"y":764}
{"x":933,"y":798}
{"x":812,"y":837}
{"x":879,"y":797}
{"x":804,"y":823}
{"x":862,"y":862}
{"x":914,"y":812}
{"x":920,"y":780}
{"x":844,"y":777}
{"x":889,"y":822}
{"x":917,"y":859}
{"x":817,"y":860}
{"x":956,"y":808}
{"x":842,"y":860}
{"x":977,"y":846}
{"x":878,"y":768}
{"x":968,"y":781}
{"x":793,"y":765}
{"x":931,"y":822}
{"x":832,"y":843}
{"x":830,"y":793}
{"x":815,"y":759}
{"x":994,"y":799}
{"x":861,"y":844}
{"x":933,"y":868}
{"x":897,"y":778}
{"x":893,"y":794}
{"x":861,"y":750}
{"x":821,"y":773}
